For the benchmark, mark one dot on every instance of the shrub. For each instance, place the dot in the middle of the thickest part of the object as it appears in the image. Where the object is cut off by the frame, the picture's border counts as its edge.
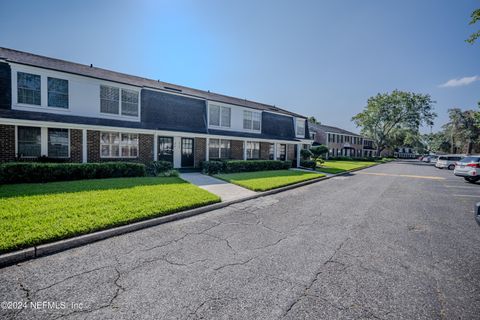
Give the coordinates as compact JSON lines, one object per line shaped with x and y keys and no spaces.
{"x":305,"y":154}
{"x":156,"y":168}
{"x":255,"y":165}
{"x":230,"y":166}
{"x":28,"y":172}
{"x":308,"y":164}
{"x":212,"y":167}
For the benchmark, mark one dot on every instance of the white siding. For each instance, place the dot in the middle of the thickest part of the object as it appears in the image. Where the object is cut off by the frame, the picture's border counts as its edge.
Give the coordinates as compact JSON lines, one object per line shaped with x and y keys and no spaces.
{"x":83,"y":94}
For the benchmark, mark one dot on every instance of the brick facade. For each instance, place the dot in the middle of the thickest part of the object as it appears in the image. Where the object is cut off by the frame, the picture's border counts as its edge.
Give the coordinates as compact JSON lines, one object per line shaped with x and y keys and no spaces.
{"x":7,"y":143}
{"x":200,"y":151}
{"x":236,"y":149}
{"x":76,"y":154}
{"x":291,"y":152}
{"x":264,"y":151}
{"x":145,"y":148}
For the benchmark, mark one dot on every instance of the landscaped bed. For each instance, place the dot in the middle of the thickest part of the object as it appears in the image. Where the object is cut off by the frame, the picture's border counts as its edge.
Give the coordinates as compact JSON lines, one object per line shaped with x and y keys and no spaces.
{"x":32,"y":214}
{"x":266,"y":180}
{"x":338,"y":166}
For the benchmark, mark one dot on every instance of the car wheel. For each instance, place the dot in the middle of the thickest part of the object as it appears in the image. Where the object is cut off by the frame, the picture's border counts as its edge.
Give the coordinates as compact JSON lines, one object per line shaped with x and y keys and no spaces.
{"x":472,"y":179}
{"x":451,"y":167}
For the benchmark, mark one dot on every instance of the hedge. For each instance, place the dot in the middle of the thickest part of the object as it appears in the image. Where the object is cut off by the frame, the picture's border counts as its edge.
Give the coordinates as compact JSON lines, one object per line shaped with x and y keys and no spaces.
{"x":156,"y":168}
{"x":32,"y":172}
{"x":230,"y":166}
{"x":308,"y":164}
{"x":344,"y":158}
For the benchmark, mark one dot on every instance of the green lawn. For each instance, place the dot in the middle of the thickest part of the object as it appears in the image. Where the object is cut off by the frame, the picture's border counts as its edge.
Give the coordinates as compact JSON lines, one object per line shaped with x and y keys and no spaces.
{"x":338,"y":166}
{"x":31,"y":214}
{"x":266,"y":180}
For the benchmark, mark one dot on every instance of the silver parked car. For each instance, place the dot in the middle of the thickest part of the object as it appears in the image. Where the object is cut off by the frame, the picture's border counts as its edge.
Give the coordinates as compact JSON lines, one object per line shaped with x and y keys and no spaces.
{"x":448,"y":161}
{"x":468,"y":168}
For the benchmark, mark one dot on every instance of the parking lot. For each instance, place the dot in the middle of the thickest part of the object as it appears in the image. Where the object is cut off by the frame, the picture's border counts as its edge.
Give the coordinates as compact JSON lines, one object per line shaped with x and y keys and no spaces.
{"x":393,"y":241}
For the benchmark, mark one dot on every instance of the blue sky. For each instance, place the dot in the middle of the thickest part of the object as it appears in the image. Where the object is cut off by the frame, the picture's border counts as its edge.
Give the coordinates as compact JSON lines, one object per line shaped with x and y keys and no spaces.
{"x":321,"y":58}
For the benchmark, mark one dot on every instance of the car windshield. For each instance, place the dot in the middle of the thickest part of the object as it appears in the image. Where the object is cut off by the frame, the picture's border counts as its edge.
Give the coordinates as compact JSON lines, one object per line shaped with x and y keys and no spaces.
{"x":470,"y":159}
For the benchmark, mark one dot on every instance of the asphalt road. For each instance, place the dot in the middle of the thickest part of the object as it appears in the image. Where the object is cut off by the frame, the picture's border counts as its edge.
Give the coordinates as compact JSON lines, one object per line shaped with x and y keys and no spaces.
{"x":389,"y":242}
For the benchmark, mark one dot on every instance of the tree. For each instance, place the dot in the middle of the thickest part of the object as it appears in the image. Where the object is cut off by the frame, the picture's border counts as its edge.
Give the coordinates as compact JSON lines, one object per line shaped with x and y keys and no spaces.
{"x":313,"y":120}
{"x":475,"y":17}
{"x":462,"y":130}
{"x":386,"y":113}
{"x":318,"y":152}
{"x":305,"y":154}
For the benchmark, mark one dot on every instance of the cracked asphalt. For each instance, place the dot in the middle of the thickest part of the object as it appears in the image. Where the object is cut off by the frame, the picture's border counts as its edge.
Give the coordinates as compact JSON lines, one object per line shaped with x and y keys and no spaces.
{"x":353,"y":247}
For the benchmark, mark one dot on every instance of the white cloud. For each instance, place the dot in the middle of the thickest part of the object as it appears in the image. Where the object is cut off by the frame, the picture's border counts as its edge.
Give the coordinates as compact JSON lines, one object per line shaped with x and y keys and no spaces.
{"x":465,"y":81}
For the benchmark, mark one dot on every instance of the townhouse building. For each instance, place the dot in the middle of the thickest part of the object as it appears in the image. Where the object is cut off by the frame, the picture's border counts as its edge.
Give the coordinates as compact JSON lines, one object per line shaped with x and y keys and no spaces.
{"x":341,"y":142}
{"x":80,"y":113}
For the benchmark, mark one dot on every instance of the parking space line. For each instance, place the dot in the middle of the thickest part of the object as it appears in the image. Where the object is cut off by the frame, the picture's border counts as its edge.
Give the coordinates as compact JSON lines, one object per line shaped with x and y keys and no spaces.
{"x":401,"y":175}
{"x":464,"y":187}
{"x":466,"y":195}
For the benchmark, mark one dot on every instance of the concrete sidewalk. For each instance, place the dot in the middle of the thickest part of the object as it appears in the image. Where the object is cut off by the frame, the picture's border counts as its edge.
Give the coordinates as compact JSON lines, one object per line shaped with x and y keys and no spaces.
{"x":225,"y":190}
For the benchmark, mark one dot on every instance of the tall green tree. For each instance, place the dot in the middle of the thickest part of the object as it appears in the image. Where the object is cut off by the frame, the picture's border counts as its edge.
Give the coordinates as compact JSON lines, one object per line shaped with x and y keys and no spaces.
{"x":462,"y":130}
{"x":475,"y":17}
{"x":386,"y":113}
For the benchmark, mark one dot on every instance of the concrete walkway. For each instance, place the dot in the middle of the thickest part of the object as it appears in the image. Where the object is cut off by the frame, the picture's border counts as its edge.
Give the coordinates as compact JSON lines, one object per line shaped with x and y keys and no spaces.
{"x":225,"y":190}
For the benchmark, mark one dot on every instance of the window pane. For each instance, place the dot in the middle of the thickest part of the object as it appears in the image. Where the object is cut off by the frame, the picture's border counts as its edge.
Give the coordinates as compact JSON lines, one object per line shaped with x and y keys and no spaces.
{"x":256,"y":121}
{"x":247,"y":120}
{"x":29,"y":142}
{"x":115,"y":148}
{"x":300,"y":127}
{"x":125,"y":151}
{"x":214,"y":115}
{"x":213,"y":148}
{"x":134,"y":151}
{"x":28,"y":88}
{"x":58,"y":143}
{"x":225,"y":117}
{"x":109,"y":99}
{"x":129,"y":103}
{"x":225,"y":149}
{"x":57,"y":93}
{"x":116,"y":144}
{"x":105,"y":150}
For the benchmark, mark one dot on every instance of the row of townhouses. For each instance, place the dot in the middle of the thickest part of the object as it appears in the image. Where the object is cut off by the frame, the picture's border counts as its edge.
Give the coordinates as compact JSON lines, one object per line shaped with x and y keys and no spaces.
{"x":341,"y":142}
{"x":80,"y":113}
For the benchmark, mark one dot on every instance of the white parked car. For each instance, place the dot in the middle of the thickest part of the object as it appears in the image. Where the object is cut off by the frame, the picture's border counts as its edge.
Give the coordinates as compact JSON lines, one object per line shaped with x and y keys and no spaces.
{"x":448,"y":161}
{"x":468,"y":168}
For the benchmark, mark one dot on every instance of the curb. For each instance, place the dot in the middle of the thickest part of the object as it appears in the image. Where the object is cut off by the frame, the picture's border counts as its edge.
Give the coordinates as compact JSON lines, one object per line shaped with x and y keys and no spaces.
{"x":14,"y":257}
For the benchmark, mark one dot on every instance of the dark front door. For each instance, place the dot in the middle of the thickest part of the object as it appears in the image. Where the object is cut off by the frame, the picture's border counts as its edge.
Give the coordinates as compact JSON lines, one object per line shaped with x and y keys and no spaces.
{"x":187,"y":152}
{"x":165,"y":149}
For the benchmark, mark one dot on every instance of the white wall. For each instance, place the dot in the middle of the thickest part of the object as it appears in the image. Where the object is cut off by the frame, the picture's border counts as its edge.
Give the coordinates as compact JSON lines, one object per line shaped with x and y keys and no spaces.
{"x":236,"y":117}
{"x":83,"y":94}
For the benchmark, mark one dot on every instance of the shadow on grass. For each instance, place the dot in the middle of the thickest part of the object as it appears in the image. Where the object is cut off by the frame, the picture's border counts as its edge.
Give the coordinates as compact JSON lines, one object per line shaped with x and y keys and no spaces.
{"x":34,"y":189}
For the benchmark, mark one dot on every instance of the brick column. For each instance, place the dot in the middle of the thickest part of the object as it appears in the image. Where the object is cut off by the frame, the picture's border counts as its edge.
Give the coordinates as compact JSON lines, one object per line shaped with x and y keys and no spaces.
{"x":76,"y":145}
{"x":200,"y":151}
{"x":236,"y":147}
{"x":7,"y":143}
{"x":264,"y":151}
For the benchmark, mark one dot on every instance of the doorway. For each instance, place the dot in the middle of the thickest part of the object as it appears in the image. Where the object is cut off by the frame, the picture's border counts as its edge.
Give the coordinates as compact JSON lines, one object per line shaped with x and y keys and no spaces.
{"x":165,"y":149}
{"x":187,"y":152}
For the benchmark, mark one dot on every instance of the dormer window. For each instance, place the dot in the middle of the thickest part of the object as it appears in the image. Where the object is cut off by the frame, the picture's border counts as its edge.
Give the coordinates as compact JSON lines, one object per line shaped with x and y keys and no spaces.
{"x":219,"y":116}
{"x":251,"y":120}
{"x":110,"y":101}
{"x":300,"y":127}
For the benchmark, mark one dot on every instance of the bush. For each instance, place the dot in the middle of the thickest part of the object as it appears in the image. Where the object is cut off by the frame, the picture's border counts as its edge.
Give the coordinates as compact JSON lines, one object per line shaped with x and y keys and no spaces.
{"x":305,"y":154}
{"x":255,"y":165}
{"x":33,"y":172}
{"x":230,"y":166}
{"x":308,"y":164}
{"x":213,"y":167}
{"x":156,"y":168}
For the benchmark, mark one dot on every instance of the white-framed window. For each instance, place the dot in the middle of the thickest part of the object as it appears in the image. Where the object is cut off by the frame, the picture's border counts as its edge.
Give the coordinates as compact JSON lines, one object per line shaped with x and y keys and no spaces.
{"x":29,"y":142}
{"x":57,"y":92}
{"x":110,"y":98}
{"x":301,"y":127}
{"x":118,"y":145}
{"x":28,"y":88}
{"x":253,"y":150}
{"x":219,"y":116}
{"x":219,"y":149}
{"x":251,"y":120}
{"x":33,"y":142}
{"x":58,"y":143}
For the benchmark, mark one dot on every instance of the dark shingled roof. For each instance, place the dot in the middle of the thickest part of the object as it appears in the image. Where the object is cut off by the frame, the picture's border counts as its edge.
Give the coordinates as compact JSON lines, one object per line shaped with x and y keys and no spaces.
{"x":314,"y":127}
{"x":30,"y":59}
